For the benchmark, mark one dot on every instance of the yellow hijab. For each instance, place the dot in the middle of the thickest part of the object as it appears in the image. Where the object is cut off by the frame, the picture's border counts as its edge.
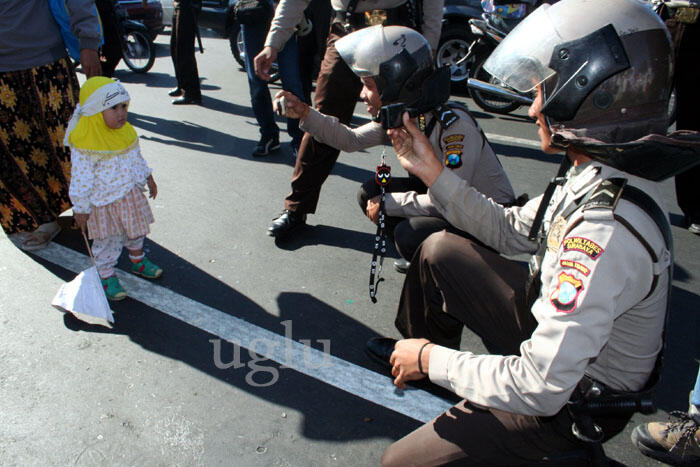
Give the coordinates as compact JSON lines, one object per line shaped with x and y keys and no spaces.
{"x":90,"y":133}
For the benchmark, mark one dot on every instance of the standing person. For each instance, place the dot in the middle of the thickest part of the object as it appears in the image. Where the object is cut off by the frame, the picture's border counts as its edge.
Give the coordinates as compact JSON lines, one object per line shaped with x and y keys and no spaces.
{"x":405,"y":74}
{"x":587,"y":320}
{"x":337,"y":87}
{"x":38,"y":92}
{"x":685,"y":25}
{"x":182,"y":38}
{"x":288,"y":63}
{"x":109,"y":174}
{"x":312,"y":44}
{"x":111,"y":50}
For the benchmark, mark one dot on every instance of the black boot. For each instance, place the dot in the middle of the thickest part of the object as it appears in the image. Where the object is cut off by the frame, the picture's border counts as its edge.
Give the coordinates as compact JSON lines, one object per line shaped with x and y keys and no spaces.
{"x":286,"y":223}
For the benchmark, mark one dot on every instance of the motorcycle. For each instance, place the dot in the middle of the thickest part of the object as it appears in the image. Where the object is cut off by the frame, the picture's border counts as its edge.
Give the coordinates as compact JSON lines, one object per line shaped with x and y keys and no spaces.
{"x":138,"y":51}
{"x":483,"y":87}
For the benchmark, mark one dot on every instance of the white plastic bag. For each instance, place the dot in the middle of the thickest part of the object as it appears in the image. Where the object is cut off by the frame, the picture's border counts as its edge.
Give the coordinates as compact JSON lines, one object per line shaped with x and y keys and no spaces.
{"x":84,"y":294}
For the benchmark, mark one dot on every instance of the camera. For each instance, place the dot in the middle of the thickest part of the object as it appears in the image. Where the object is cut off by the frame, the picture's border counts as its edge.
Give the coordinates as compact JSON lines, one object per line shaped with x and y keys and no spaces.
{"x":391,"y":116}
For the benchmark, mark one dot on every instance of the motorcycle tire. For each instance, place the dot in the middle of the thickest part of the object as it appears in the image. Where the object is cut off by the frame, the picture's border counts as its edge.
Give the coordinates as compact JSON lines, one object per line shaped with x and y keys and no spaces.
{"x":486,"y":101}
{"x":238,"y":51}
{"x":138,"y":52}
{"x":454,"y":44}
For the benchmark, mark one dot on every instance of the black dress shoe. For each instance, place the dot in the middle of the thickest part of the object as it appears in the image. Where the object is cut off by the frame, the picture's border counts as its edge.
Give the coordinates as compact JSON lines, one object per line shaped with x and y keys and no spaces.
{"x":175,"y":92}
{"x":379,"y":349}
{"x":185,"y":100}
{"x":401,"y":265}
{"x":285,"y":223}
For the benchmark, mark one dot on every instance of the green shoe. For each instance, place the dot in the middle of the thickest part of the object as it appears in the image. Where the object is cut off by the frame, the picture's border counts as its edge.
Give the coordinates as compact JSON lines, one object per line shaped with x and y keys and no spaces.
{"x":113,"y":289}
{"x":145,"y":268}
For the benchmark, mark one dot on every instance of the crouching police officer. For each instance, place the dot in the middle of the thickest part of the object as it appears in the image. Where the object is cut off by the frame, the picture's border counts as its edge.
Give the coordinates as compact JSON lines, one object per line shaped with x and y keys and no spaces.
{"x":587,"y":320}
{"x":397,"y":71}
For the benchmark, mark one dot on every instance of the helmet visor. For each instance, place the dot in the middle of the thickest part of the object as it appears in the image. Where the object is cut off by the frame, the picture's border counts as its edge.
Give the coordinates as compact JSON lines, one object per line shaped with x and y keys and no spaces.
{"x":521,"y":61}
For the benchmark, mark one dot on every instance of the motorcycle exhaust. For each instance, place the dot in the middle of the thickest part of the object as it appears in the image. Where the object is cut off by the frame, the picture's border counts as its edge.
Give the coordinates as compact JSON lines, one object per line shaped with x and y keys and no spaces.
{"x":499,"y":91}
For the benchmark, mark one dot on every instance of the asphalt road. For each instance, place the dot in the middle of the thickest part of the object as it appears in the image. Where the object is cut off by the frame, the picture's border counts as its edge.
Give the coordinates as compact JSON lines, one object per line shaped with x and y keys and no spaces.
{"x":182,"y":377}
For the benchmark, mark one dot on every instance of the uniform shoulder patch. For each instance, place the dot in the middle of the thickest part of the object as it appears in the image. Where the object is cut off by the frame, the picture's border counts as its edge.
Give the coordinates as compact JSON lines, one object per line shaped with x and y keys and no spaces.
{"x":567,"y":263}
{"x":566,"y":294}
{"x":584,"y":245}
{"x":454,"y":138}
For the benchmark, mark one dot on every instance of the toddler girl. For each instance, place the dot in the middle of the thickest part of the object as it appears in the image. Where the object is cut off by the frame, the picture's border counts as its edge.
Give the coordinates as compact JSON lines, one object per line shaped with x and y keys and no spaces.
{"x":107,"y":181}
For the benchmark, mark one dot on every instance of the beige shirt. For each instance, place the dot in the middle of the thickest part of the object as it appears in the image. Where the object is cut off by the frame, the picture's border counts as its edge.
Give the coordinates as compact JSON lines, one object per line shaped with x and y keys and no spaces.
{"x":99,"y":181}
{"x":289,"y":13}
{"x":480,"y":165}
{"x":592,"y":314}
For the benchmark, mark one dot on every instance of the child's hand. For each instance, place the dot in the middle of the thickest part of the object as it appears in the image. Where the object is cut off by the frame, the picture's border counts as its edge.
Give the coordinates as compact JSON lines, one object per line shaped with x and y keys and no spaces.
{"x":152,"y":187}
{"x":81,"y":220}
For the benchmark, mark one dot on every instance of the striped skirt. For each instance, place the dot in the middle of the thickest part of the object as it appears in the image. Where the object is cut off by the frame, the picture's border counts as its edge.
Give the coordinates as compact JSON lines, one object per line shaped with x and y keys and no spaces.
{"x":35,"y":105}
{"x":131,"y":216}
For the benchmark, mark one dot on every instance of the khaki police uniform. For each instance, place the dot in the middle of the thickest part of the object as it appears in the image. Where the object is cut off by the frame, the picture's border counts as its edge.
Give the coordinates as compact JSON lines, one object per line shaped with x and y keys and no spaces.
{"x":599,"y":312}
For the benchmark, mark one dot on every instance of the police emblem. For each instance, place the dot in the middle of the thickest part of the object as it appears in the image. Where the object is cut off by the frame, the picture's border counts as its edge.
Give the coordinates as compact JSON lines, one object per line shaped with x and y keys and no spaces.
{"x":564,"y":296}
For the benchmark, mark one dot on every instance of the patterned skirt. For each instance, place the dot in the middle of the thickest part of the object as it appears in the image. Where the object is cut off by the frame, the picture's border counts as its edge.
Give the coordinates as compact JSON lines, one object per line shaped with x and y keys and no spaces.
{"x":130,"y":215}
{"x":35,"y":105}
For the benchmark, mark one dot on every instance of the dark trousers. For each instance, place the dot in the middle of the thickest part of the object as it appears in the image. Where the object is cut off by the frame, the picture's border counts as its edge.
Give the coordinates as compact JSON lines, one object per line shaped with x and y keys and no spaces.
{"x":337,"y":90}
{"x":485,"y":292}
{"x":182,"y":50}
{"x":312,"y":47}
{"x":406,"y":233}
{"x":111,"y":50}
{"x":687,"y":77}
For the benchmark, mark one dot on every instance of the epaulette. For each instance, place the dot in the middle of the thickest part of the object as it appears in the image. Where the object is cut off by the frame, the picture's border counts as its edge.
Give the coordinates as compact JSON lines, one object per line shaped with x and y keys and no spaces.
{"x":606,"y":195}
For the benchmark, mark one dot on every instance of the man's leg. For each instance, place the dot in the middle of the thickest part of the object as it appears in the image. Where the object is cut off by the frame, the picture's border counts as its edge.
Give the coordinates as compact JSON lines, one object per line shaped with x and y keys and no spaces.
{"x":253,"y":41}
{"x":454,"y":281}
{"x":186,"y":61}
{"x":288,"y":62}
{"x":337,"y":90}
{"x":470,"y":435}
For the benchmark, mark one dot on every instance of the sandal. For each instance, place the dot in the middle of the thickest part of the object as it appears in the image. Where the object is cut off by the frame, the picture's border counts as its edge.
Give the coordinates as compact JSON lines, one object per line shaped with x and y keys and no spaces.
{"x":145,"y":268}
{"x":113,"y":289}
{"x":41,"y":237}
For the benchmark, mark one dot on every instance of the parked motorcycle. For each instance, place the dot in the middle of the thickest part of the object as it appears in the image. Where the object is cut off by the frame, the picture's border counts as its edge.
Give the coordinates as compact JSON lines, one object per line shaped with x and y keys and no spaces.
{"x":138,"y":51}
{"x":488,"y":37}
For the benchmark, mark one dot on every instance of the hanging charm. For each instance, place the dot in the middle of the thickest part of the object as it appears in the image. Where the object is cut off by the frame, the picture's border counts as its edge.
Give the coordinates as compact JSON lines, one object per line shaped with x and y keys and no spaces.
{"x":382,"y":177}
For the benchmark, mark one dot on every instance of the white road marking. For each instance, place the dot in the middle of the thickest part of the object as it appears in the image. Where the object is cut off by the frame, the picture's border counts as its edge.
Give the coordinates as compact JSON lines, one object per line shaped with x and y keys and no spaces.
{"x":417,"y":404}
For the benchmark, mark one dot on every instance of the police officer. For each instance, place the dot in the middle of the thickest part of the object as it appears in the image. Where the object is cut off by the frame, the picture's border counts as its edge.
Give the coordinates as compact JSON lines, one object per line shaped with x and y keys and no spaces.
{"x":590,"y":311}
{"x":337,"y":88}
{"x":396,"y":68}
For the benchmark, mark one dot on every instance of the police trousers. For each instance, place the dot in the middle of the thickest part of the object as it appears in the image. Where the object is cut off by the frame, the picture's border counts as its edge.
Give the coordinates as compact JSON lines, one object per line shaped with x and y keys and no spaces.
{"x":452,"y":282}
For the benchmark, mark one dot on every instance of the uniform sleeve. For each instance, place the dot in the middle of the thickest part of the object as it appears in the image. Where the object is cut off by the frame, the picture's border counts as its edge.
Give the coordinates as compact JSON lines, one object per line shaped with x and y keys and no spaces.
{"x":432,"y":21}
{"x":287,"y":15}
{"x":410,"y":204}
{"x":84,"y":23}
{"x":504,"y":229}
{"x":81,"y":181}
{"x":466,"y":152}
{"x":595,"y":277}
{"x":328,"y":130}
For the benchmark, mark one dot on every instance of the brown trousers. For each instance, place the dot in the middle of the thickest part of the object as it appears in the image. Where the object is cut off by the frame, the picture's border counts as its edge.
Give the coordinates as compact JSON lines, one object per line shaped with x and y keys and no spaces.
{"x":337,"y":90}
{"x":452,"y":282}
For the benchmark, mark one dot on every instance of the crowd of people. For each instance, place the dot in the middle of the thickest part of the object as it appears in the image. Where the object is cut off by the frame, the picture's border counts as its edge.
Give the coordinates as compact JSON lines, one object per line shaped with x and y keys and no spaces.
{"x":584,"y":323}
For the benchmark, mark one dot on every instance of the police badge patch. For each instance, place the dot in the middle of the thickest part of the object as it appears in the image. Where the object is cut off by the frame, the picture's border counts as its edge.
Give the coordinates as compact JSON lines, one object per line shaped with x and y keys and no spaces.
{"x":564,"y":296}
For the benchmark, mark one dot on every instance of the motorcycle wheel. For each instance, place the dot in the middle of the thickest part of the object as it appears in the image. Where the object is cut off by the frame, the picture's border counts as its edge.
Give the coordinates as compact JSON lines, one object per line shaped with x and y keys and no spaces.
{"x":238,"y":51}
{"x":454,"y":44}
{"x":490,"y":102}
{"x":138,"y":52}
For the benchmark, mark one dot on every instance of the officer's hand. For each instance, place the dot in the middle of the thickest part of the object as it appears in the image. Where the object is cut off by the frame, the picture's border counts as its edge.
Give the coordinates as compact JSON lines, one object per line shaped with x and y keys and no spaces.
{"x":90,"y":62}
{"x":372,"y":209}
{"x":288,"y":105}
{"x":404,"y":360}
{"x":414,"y":151}
{"x":263,"y":62}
